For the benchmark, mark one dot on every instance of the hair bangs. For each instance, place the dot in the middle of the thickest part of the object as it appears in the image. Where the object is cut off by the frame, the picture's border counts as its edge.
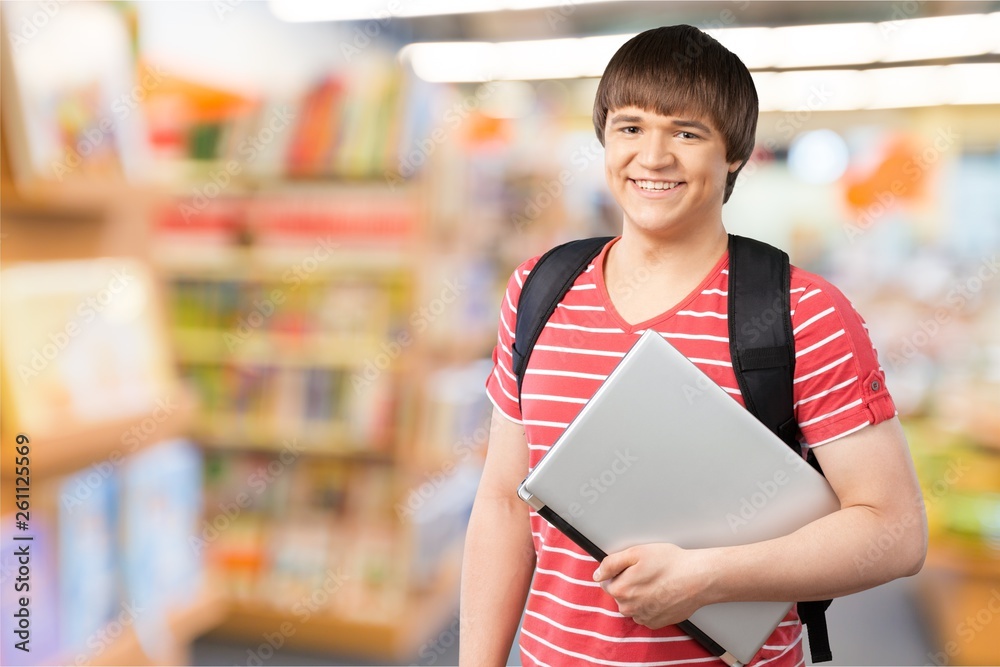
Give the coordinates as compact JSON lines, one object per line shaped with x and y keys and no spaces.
{"x":658,"y":90}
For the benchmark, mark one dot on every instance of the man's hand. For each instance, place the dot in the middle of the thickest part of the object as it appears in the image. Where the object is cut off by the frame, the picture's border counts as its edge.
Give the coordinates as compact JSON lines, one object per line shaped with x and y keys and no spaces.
{"x":654,"y":584}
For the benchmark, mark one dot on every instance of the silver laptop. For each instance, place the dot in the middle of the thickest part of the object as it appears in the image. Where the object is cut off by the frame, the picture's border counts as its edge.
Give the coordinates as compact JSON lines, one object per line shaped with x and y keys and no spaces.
{"x":662,"y":454}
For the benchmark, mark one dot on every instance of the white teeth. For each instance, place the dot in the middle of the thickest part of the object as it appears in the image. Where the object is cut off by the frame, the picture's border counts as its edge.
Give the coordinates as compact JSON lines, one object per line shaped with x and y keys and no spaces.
{"x":656,"y":185}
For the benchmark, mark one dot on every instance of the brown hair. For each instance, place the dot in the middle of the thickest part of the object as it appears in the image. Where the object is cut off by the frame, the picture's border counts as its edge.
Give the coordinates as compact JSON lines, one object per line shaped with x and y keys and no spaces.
{"x":680,"y":69}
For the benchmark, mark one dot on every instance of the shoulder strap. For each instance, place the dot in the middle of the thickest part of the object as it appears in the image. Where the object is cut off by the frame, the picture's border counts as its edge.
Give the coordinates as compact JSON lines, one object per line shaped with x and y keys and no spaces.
{"x":760,"y":332}
{"x":763,"y":351}
{"x":761,"y":342}
{"x":546,"y":285}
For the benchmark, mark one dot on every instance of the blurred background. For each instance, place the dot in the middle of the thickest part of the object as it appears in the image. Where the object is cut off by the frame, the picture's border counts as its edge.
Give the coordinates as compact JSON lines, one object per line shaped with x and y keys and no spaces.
{"x":252,"y":260}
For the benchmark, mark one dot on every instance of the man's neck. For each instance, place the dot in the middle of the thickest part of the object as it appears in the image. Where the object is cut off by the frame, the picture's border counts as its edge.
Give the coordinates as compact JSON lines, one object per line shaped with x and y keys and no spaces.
{"x":674,"y":257}
{"x":646,"y":277}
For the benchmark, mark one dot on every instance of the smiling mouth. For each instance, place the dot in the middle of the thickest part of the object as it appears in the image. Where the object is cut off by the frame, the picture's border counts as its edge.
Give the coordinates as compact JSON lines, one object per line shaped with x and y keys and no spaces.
{"x":653,"y":186}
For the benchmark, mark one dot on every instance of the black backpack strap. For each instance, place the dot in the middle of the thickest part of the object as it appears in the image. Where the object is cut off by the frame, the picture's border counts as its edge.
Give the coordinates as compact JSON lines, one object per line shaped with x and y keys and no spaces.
{"x":546,"y":285}
{"x":813,"y":616}
{"x":760,"y":336}
{"x":763,"y":351}
{"x":760,"y":333}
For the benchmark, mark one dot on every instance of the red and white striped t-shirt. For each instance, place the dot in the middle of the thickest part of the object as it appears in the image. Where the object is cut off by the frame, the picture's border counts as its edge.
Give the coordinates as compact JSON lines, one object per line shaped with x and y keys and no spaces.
{"x":839,"y":389}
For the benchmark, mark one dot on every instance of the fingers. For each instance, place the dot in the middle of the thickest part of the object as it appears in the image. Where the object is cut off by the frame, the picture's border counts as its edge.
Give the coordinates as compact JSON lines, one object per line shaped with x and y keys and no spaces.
{"x":613,"y":564}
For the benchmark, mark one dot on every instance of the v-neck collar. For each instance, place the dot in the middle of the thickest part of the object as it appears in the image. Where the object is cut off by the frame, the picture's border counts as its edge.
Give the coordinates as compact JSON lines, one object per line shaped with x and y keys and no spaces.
{"x":613,"y":313}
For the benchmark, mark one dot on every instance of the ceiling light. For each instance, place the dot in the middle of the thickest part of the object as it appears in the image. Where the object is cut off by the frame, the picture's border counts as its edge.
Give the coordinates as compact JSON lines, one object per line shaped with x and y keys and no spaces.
{"x":790,"y":47}
{"x":938,"y":37}
{"x":535,"y":59}
{"x":298,"y":11}
{"x":808,"y":91}
{"x":828,"y":44}
{"x":897,"y":87}
{"x":974,"y":83}
{"x":593,"y":53}
{"x":753,"y":45}
{"x":799,"y":94}
{"x":459,"y":62}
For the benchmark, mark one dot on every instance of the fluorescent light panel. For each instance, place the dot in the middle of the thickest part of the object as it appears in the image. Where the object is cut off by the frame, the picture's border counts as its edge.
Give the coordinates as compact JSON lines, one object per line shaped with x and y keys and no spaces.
{"x":790,"y":47}
{"x":753,"y":45}
{"x":570,"y":58}
{"x":300,"y":11}
{"x":848,"y":89}
{"x":899,"y":87}
{"x":810,"y":91}
{"x":822,"y":45}
{"x":977,"y":83}
{"x":940,"y":37}
{"x":455,"y":61}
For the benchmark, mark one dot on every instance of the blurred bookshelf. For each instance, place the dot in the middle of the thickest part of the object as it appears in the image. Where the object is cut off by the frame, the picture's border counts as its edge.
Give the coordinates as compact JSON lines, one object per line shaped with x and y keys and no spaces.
{"x":114,"y":489}
{"x":295,"y":284}
{"x":957,"y":455}
{"x":283,"y":262}
{"x":949,"y":416}
{"x":295,"y":334}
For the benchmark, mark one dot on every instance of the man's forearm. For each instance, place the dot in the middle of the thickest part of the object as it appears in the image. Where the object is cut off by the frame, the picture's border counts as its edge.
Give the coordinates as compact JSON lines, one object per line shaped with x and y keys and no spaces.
{"x":496,"y":572}
{"x":845,"y":552}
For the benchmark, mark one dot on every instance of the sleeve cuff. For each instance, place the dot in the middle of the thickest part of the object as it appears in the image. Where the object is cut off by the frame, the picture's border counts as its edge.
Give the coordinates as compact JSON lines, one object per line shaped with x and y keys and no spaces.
{"x":502,"y":411}
{"x":875,"y":411}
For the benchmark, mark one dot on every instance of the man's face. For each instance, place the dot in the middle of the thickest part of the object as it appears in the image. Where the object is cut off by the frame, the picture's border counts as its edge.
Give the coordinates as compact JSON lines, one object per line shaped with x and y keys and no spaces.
{"x":666,"y":172}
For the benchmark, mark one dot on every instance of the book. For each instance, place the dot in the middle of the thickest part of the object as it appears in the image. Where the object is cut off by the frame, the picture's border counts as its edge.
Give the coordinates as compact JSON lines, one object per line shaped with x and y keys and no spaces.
{"x":315,"y":135}
{"x":161,"y":508}
{"x":88,"y":555}
{"x":66,"y":109}
{"x":81,"y":343}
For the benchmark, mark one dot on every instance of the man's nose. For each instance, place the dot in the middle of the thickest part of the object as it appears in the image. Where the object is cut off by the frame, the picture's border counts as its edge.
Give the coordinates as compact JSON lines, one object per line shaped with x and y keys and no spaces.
{"x":656,"y":152}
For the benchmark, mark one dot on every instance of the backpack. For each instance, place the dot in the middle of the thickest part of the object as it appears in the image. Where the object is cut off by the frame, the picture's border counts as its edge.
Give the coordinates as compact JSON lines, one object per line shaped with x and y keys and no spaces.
{"x":760,"y":342}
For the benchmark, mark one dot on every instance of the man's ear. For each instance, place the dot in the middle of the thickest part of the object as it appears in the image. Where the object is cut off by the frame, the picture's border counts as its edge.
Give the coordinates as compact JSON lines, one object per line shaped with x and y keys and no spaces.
{"x":733,"y":166}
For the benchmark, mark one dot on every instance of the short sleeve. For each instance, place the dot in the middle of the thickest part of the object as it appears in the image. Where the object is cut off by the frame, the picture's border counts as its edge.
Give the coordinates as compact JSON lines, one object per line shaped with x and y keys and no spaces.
{"x":501,"y":385}
{"x":839,"y":385}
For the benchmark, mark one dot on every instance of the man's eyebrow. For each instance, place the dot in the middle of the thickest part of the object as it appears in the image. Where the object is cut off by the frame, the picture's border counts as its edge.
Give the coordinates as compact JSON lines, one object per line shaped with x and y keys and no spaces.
{"x":692,"y":123}
{"x":624,"y":118}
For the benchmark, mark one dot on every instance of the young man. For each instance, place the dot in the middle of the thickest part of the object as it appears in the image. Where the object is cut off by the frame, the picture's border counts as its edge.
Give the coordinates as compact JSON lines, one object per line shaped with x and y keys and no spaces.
{"x":677,"y":113}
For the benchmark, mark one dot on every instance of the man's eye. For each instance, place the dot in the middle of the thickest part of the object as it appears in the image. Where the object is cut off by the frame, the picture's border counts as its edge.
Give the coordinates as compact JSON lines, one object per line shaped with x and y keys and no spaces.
{"x":688,"y":135}
{"x":629,"y":129}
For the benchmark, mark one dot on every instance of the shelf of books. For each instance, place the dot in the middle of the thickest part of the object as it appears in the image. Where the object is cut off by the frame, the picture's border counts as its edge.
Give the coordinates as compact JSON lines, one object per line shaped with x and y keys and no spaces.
{"x":292,"y":450}
{"x":957,"y":456}
{"x":296,"y":319}
{"x":366,"y":620}
{"x":113,"y":579}
{"x":108,"y":494}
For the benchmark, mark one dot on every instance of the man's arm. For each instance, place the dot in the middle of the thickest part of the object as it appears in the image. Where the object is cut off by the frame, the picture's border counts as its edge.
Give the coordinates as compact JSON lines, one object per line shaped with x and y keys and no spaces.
{"x":879,"y":534}
{"x":499,"y":555}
